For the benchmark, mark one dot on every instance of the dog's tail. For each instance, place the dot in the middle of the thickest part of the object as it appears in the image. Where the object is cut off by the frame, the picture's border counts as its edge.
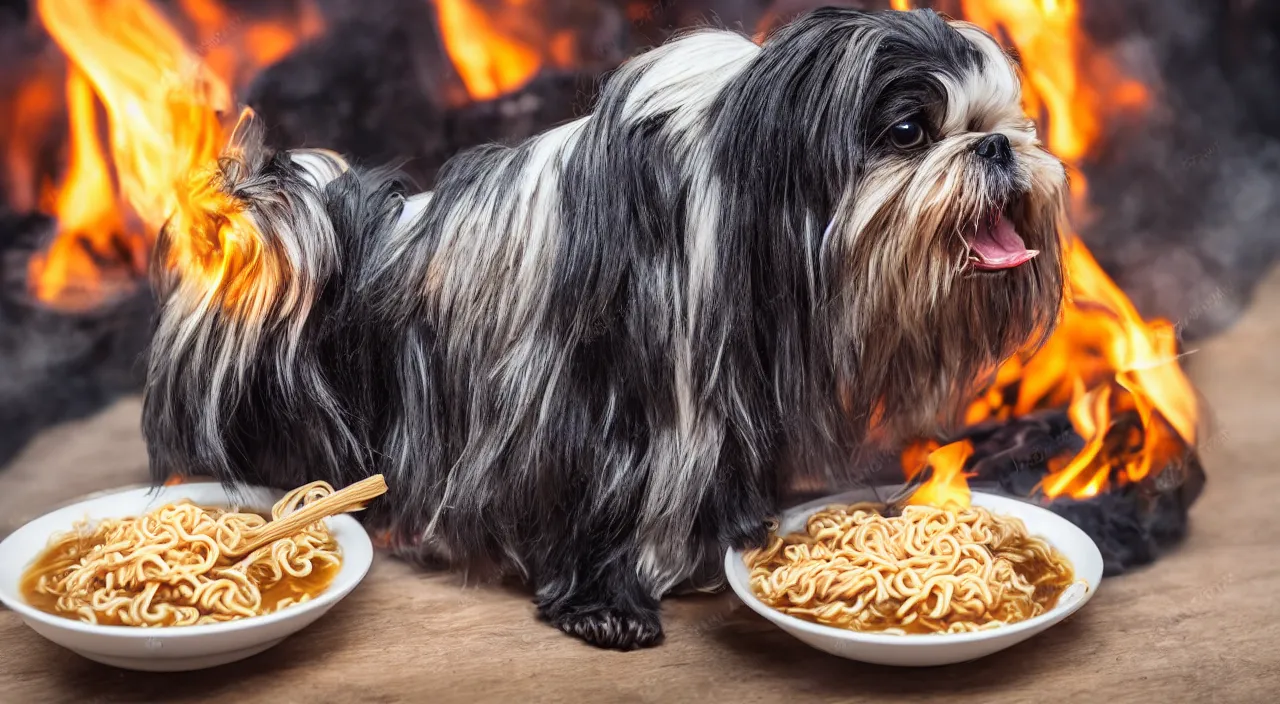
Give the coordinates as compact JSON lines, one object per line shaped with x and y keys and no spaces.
{"x":254,"y":371}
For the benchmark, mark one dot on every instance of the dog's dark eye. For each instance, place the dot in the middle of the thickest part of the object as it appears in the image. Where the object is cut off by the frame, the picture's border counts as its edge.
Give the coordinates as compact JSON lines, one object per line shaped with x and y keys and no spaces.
{"x":907,"y":135}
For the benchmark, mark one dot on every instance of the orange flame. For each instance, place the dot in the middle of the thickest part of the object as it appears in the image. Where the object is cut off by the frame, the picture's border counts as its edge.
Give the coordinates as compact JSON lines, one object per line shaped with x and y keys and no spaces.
{"x":164,"y":104}
{"x":1068,"y":87}
{"x":90,"y":225}
{"x":33,"y":107}
{"x":947,"y":485}
{"x":1103,"y":362}
{"x":234,"y":48}
{"x":496,"y":55}
{"x":1129,"y":365}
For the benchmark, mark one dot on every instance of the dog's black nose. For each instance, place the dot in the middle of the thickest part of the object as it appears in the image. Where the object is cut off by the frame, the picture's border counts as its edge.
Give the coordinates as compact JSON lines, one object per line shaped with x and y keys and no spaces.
{"x":995,"y":147}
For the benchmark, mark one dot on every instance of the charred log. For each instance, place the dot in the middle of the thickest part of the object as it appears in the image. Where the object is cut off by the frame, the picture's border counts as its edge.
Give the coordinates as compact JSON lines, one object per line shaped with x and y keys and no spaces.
{"x":1132,"y":524}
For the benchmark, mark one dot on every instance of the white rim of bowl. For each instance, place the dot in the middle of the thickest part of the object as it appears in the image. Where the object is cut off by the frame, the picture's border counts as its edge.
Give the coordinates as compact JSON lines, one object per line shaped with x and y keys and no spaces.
{"x":357,"y":534}
{"x":1059,"y":611}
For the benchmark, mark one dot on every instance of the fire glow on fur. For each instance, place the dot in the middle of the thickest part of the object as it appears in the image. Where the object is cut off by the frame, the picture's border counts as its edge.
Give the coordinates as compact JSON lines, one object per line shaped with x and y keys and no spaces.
{"x":1103,"y":361}
{"x":167,"y":102}
{"x":164,"y":104}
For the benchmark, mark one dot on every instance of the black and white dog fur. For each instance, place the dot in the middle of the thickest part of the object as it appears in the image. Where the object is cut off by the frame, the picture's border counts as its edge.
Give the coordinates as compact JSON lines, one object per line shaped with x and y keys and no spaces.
{"x":592,"y":359}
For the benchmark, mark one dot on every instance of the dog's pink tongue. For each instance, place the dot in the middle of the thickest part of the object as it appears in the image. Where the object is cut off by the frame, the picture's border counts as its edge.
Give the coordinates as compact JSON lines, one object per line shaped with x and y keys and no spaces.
{"x":999,"y":246}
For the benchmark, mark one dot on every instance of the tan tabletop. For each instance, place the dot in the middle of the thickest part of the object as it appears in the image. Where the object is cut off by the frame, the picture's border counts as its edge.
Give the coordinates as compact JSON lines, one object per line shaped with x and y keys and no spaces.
{"x":1203,"y":624}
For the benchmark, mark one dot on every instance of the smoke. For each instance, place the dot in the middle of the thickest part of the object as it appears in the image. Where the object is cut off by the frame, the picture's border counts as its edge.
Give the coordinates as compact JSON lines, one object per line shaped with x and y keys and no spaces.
{"x":1186,"y":201}
{"x":56,"y":367}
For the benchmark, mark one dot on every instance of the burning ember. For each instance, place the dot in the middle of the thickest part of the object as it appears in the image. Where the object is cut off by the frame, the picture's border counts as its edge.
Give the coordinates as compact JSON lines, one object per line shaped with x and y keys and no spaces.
{"x":1117,"y":374}
{"x":235,"y":49}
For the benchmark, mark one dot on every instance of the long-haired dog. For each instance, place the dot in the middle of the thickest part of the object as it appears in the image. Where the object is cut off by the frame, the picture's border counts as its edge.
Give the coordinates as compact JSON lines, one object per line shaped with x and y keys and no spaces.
{"x":592,"y":359}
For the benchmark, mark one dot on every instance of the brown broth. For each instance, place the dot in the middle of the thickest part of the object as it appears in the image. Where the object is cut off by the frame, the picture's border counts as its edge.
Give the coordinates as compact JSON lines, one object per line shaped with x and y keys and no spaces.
{"x":310,"y":586}
{"x":51,"y":561}
{"x":45,"y":564}
{"x":1046,"y":595}
{"x":1050,"y":577}
{"x":1035,"y":572}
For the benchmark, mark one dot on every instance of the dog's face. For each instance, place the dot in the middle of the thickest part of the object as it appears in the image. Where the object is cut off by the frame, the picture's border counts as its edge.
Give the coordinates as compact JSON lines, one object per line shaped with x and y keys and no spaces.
{"x":953,"y":220}
{"x":954,"y":178}
{"x":940,"y":206}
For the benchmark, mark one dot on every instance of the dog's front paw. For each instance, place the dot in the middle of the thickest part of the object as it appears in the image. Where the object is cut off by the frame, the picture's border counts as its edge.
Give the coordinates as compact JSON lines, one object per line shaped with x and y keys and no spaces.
{"x":609,"y":627}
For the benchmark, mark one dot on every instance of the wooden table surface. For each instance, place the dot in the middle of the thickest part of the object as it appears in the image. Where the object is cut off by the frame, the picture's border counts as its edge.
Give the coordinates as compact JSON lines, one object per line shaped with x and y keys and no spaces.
{"x":1203,"y":624}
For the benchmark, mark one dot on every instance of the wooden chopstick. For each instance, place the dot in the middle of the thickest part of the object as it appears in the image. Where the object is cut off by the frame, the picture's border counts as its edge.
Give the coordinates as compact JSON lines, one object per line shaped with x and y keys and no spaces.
{"x":350,"y":498}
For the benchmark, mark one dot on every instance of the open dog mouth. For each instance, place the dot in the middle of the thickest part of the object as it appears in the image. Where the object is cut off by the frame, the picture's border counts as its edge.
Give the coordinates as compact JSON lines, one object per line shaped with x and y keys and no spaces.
{"x":995,"y":244}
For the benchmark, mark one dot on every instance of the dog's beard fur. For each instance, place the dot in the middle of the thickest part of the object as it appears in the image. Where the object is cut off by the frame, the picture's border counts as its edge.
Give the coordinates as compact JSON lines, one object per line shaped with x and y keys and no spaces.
{"x":929,"y":327}
{"x":593,"y":358}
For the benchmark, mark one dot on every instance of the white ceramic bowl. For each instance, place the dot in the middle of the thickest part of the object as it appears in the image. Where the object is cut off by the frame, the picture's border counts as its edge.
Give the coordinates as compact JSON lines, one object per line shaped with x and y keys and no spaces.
{"x":935,"y":649}
{"x":177,"y":648}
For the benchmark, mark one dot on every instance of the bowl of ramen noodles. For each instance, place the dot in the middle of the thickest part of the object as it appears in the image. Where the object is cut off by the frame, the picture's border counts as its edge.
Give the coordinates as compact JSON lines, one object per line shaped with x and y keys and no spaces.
{"x":917,"y":585}
{"x":183,"y":577}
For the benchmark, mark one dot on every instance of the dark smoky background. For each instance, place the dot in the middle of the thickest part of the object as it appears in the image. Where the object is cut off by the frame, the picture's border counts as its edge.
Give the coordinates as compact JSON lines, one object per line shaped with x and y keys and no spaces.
{"x":1188,"y":201}
{"x":1183,"y":199}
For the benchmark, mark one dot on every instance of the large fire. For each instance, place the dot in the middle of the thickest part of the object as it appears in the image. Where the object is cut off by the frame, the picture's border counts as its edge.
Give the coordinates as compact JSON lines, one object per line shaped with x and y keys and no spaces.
{"x":1103,"y":362}
{"x":92,"y":229}
{"x":166,"y":99}
{"x":164,"y":106}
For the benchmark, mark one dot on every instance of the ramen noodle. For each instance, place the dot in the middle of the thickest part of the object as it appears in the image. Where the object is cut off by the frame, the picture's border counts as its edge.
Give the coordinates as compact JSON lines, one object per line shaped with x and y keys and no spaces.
{"x":173,"y":566}
{"x":928,"y":570}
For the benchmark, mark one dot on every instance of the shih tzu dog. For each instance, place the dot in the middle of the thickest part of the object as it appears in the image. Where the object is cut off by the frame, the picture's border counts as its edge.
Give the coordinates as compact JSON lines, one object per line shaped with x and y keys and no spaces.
{"x":592,"y":359}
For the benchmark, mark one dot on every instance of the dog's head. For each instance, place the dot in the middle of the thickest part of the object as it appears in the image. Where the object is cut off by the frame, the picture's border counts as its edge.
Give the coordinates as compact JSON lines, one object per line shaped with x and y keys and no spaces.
{"x":893,"y":146}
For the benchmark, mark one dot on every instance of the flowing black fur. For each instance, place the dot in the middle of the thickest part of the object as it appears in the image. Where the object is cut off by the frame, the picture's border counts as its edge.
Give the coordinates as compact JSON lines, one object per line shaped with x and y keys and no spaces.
{"x":592,"y":359}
